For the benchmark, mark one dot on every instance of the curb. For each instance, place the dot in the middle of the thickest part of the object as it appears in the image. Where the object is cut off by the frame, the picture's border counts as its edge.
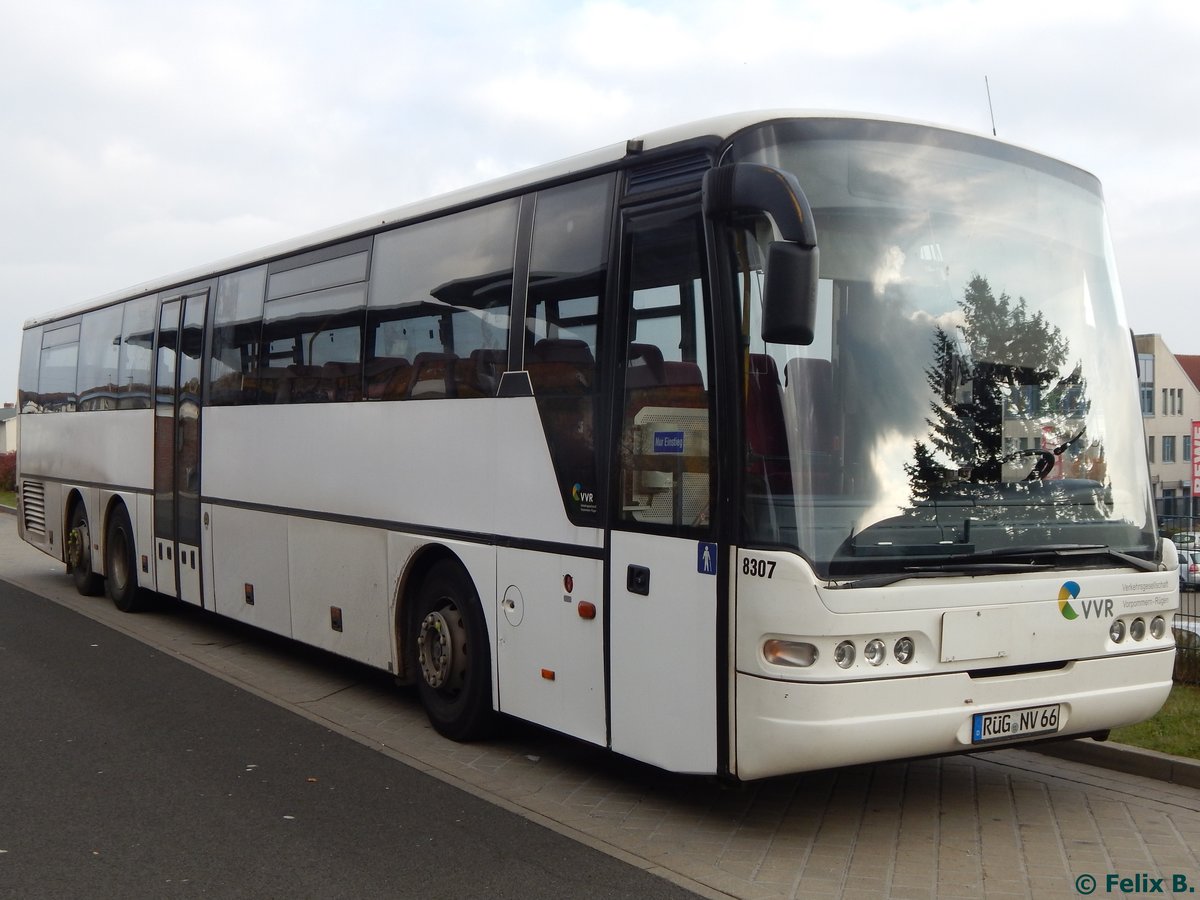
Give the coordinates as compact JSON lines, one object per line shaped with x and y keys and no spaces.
{"x":1127,"y":759}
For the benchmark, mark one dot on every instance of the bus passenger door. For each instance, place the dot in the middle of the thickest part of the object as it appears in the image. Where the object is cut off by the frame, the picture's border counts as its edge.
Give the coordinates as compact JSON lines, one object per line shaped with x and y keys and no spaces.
{"x":664,"y":561}
{"x":177,"y":383}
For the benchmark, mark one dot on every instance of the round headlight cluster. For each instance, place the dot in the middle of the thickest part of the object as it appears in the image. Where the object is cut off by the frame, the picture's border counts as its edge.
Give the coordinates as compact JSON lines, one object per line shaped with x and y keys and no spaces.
{"x":844,"y":654}
{"x":875,"y":652}
{"x":1137,"y":629}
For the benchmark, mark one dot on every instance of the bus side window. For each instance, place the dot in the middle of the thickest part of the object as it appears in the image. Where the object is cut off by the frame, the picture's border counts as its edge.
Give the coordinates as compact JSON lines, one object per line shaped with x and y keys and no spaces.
{"x":57,"y":371}
{"x":27,"y":376}
{"x":312,"y":330}
{"x":237,"y":330}
{"x":567,"y":273}
{"x":137,"y":354}
{"x":99,"y":353}
{"x":665,"y":451}
{"x":438,"y":315}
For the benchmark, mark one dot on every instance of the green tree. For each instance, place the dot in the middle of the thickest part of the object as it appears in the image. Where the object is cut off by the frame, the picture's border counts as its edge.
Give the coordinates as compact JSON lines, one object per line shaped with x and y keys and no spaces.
{"x":1001,"y":364}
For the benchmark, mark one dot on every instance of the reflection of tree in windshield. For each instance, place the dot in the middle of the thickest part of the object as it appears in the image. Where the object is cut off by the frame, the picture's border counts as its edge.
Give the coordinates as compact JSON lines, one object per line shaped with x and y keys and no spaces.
{"x":1002,"y":410}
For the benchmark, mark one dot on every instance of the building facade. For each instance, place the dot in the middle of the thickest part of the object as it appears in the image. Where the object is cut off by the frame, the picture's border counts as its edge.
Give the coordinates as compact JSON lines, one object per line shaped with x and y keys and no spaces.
{"x":8,"y":428}
{"x":1170,"y":403}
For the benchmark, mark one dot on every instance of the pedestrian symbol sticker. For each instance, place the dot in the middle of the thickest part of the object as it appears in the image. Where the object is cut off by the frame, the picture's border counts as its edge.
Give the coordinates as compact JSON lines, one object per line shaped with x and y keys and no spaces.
{"x":706,"y":558}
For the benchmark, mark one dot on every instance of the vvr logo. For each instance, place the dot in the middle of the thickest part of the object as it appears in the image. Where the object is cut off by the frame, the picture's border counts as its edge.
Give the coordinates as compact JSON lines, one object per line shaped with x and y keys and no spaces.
{"x":1101,"y":607}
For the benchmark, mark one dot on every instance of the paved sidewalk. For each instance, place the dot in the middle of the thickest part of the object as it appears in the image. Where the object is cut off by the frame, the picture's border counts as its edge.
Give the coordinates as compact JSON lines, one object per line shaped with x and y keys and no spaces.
{"x":1008,"y":823}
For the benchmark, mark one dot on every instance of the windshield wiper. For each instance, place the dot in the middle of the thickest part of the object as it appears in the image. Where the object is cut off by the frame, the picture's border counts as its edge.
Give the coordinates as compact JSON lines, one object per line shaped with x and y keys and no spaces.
{"x":943,"y":571}
{"x":992,"y":562}
{"x":1058,"y":550}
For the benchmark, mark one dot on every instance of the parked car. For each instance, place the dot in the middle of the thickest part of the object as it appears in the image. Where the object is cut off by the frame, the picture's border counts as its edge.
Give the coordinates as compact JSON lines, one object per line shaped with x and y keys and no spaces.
{"x":1189,"y":570}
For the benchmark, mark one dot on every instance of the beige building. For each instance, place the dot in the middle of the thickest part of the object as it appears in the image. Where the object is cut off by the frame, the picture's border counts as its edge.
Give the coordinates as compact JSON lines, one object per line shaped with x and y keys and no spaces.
{"x":8,"y":428}
{"x":1170,"y":403}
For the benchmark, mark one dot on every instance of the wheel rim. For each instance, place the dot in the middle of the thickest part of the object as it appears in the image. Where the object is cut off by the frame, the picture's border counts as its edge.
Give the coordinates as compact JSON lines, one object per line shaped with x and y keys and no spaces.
{"x":78,"y":542}
{"x":441,"y":649}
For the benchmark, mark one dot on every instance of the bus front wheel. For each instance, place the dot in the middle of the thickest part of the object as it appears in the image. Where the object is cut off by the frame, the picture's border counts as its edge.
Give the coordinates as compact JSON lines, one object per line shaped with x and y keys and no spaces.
{"x":449,"y":642}
{"x":120,"y":556}
{"x":79,"y":554}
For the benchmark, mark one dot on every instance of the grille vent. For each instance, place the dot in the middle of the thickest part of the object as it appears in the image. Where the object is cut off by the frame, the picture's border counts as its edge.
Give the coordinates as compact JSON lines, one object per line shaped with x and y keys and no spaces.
{"x":33,"y":505}
{"x":670,"y":173}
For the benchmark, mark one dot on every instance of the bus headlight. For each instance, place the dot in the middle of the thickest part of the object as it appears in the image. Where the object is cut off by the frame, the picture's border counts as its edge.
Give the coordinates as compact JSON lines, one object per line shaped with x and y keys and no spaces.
{"x":790,"y":653}
{"x":1158,"y":628}
{"x":875,"y":652}
{"x":843,"y":654}
{"x":1137,"y":629}
{"x":904,"y":650}
{"x":1116,"y":631}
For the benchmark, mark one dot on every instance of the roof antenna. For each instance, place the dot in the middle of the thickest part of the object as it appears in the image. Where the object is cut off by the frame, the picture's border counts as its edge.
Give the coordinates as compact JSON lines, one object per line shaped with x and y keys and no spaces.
{"x":991,"y":112}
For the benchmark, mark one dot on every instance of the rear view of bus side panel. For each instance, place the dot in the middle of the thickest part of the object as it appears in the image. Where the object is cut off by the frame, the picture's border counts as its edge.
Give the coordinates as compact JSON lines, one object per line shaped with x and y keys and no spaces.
{"x":89,"y":456}
{"x":84,"y":397}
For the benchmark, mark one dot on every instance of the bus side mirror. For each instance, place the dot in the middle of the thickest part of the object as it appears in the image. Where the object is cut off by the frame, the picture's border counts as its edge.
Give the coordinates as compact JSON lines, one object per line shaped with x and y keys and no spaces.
{"x":790,"y":294}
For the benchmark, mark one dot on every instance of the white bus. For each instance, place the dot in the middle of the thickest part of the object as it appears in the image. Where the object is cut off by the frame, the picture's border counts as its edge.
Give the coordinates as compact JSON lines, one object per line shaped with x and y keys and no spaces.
{"x":771,"y":443}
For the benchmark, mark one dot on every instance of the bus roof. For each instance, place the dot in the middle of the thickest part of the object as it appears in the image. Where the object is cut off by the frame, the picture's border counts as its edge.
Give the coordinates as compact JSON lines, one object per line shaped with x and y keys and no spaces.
{"x":718,"y":129}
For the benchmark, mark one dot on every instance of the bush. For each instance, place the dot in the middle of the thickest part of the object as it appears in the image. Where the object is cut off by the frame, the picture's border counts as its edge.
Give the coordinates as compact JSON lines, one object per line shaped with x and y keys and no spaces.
{"x":8,"y":471}
{"x":1187,"y":656}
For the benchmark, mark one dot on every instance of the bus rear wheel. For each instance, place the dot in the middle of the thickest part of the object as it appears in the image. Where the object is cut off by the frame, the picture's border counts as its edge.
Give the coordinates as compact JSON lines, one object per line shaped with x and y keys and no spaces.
{"x":449,"y":642}
{"x":79,"y":554}
{"x":120,"y":557}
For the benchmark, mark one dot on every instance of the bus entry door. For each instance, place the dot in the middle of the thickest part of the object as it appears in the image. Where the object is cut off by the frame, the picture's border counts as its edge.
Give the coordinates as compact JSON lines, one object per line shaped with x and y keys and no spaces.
{"x":177,"y":556}
{"x":663,"y":569}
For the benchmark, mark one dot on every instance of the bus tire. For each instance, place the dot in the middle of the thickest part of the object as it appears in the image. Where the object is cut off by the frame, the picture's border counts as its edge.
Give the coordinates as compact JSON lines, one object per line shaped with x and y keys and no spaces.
{"x":449,"y":642}
{"x":120,"y":556}
{"x":79,"y":554}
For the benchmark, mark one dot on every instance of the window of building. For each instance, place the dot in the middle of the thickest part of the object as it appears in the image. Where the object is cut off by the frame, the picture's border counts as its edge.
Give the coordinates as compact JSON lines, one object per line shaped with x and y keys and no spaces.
{"x":1168,"y":448}
{"x":1146,"y":382}
{"x":1150,"y":448}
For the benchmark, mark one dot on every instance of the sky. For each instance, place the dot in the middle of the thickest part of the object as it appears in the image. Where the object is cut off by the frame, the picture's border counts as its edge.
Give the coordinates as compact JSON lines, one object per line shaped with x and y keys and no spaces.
{"x":138,"y":139}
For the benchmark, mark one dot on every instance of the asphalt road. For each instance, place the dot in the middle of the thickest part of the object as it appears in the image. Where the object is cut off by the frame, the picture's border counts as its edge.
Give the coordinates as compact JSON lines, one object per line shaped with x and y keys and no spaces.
{"x":127,"y":773}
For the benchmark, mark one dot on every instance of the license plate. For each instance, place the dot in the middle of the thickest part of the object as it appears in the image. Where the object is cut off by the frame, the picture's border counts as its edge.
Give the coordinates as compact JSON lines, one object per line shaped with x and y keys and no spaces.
{"x":1013,"y":723}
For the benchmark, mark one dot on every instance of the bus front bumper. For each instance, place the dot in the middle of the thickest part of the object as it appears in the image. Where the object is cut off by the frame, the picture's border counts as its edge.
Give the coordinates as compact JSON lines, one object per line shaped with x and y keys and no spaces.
{"x":784,"y":727}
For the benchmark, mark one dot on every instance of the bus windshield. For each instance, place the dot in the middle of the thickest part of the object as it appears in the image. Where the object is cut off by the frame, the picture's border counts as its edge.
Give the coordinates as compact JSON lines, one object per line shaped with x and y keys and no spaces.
{"x":971,"y":391}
